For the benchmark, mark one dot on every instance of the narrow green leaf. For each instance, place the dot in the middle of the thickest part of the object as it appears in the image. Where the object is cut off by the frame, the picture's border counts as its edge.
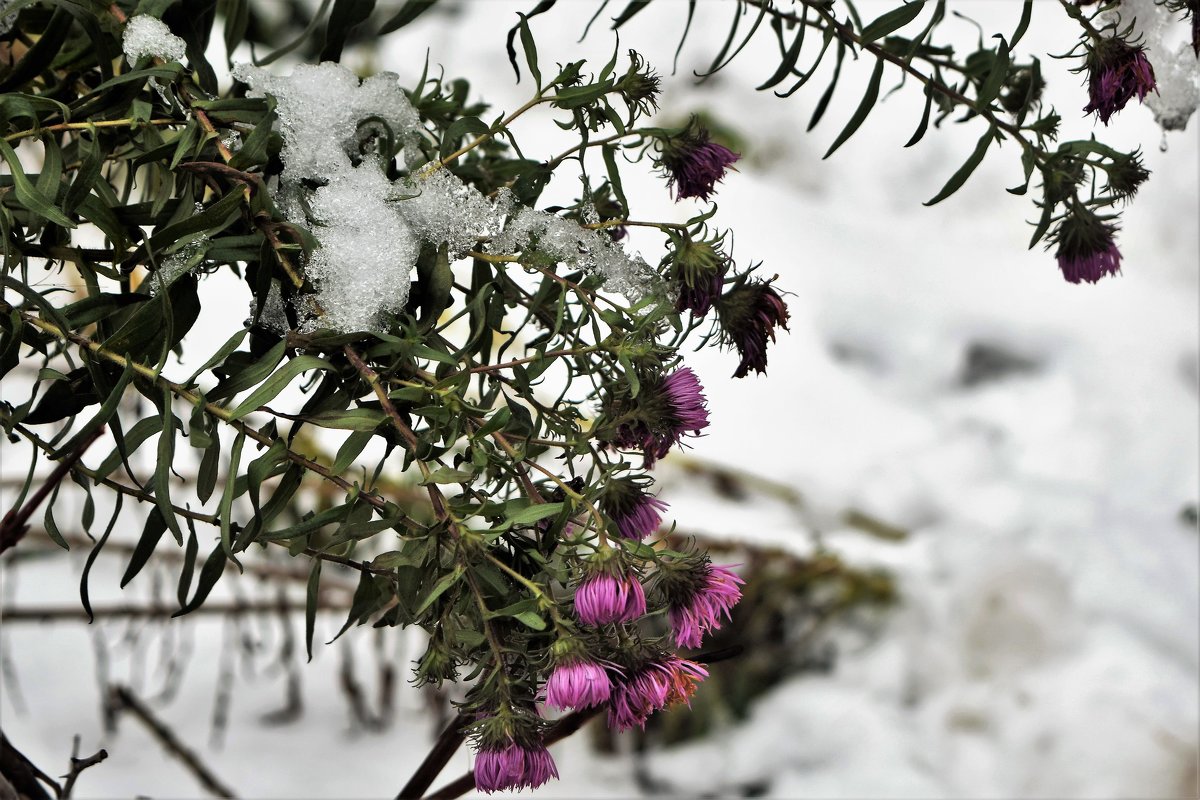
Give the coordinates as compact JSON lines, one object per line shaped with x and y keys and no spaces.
{"x":162,"y":472}
{"x":960,"y":177}
{"x":278,"y":382}
{"x":440,"y":588}
{"x":210,"y":573}
{"x":407,"y":14}
{"x":924,"y":125}
{"x":152,"y":533}
{"x":864,"y":108}
{"x":226,"y":508}
{"x":310,"y":605}
{"x":893,"y":20}
{"x":533,"y":513}
{"x":27,"y":194}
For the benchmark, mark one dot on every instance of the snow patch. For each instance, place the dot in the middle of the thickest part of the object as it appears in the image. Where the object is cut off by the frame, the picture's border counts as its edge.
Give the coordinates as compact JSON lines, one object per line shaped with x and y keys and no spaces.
{"x":150,"y":36}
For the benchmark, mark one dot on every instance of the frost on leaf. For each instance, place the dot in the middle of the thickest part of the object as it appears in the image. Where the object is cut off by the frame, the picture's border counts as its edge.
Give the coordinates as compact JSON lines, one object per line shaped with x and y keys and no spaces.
{"x":149,"y":36}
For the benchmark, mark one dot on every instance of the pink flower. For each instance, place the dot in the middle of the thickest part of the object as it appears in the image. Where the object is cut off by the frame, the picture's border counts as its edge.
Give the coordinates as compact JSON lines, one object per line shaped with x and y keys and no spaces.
{"x":603,"y":598}
{"x":713,"y":597}
{"x":513,"y":767}
{"x":650,"y":688}
{"x":634,"y":511}
{"x":1117,"y":71}
{"x":578,"y":683}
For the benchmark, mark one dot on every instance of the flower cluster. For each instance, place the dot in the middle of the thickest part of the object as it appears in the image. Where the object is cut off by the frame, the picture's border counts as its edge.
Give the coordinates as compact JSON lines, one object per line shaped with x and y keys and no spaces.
{"x":1117,"y":71}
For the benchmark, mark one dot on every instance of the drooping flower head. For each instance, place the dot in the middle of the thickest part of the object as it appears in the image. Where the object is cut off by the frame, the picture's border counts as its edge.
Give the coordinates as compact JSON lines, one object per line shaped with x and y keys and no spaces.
{"x":1126,"y":174}
{"x":1117,"y":71}
{"x":651,"y":686}
{"x":511,"y":756}
{"x":634,"y":511}
{"x":1086,"y":248}
{"x":699,"y":596}
{"x":577,"y":681}
{"x":664,"y":410}
{"x":699,"y":268}
{"x":749,"y":313}
{"x":693,"y":162}
{"x":639,"y":86}
{"x":608,"y":593}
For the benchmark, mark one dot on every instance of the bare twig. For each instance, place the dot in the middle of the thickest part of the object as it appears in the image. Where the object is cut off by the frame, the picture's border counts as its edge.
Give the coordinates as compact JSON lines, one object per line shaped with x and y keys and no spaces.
{"x":444,"y":748}
{"x":22,"y":775}
{"x":78,"y":765}
{"x":150,"y":611}
{"x":127,"y":700}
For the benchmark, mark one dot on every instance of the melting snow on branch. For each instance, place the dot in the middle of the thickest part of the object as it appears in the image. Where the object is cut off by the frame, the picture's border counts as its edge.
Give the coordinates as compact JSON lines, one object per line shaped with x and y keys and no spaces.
{"x":370,"y":228}
{"x":1168,"y":46}
{"x":149,"y":36}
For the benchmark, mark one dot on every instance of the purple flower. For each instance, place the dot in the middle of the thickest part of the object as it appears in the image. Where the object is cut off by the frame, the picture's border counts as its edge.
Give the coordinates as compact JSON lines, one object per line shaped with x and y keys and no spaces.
{"x":512,"y":766}
{"x":651,"y":687}
{"x":1117,"y":71}
{"x":1086,"y":248}
{"x":693,"y":162}
{"x":749,"y":314}
{"x":578,"y":683}
{"x":634,"y":511}
{"x":659,"y":417}
{"x":713,"y":596}
{"x":603,"y":598}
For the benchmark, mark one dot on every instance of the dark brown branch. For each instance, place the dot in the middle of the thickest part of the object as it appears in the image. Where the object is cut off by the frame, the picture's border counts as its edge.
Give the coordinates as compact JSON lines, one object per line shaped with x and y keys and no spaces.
{"x":126,"y":700}
{"x":443,"y":749}
{"x":157,"y":610}
{"x":22,"y":775}
{"x":14,"y":525}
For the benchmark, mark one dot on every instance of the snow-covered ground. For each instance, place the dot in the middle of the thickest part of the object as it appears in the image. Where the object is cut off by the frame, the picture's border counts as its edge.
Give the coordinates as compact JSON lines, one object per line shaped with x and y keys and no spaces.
{"x":1047,"y":643}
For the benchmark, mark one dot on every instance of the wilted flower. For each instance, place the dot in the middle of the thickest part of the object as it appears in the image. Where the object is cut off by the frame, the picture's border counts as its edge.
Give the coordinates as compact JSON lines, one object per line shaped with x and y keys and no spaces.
{"x":577,"y":682}
{"x":693,"y":162}
{"x":513,"y":766}
{"x":1117,"y":71}
{"x":699,"y":607}
{"x":699,"y":267}
{"x":604,"y":597}
{"x":1086,"y":250}
{"x":749,"y":314}
{"x":663,"y":412}
{"x":634,"y":511}
{"x":651,"y":687}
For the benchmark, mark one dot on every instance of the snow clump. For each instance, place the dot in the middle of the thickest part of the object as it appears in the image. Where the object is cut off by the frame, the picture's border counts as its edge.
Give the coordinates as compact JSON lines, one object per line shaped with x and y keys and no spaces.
{"x":370,"y":228}
{"x":150,"y":36}
{"x":1176,"y":68}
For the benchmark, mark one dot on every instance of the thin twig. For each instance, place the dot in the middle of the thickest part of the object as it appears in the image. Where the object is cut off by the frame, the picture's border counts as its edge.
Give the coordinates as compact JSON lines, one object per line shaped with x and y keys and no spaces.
{"x":443,"y":749}
{"x":127,"y":700}
{"x":78,"y":765}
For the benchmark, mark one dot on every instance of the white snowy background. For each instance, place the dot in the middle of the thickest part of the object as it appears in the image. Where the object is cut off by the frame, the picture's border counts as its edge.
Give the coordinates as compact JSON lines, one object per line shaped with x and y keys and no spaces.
{"x":1046,"y":643}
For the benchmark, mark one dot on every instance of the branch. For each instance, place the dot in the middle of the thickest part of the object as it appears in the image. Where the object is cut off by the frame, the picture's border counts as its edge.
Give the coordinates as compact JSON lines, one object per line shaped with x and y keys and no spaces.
{"x":154,"y":610}
{"x":125,"y":699}
{"x":443,"y":749}
{"x":13,"y":527}
{"x":78,"y":765}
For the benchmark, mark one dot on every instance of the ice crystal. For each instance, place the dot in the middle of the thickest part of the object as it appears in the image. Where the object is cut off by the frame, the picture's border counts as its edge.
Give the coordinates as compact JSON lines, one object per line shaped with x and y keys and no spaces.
{"x":150,"y":36}
{"x":446,"y":210}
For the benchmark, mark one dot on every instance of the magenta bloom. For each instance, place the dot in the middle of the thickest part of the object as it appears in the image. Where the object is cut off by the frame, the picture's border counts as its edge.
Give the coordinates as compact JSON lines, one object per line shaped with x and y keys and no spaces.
{"x":603,"y":598}
{"x":578,"y":683}
{"x":1086,"y":249}
{"x":660,"y":416}
{"x":652,"y":687}
{"x":713,"y":597}
{"x":1116,"y":72}
{"x":634,"y":511}
{"x":749,"y":314}
{"x":513,"y":767}
{"x":693,"y":162}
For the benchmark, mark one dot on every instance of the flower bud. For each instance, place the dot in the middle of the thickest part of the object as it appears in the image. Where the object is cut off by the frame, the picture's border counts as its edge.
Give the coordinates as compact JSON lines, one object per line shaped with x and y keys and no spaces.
{"x":699,"y":268}
{"x":692,"y":162}
{"x":634,"y":511}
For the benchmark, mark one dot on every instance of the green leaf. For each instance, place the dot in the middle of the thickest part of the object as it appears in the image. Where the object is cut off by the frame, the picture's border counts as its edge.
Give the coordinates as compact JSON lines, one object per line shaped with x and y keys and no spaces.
{"x":351,"y":448}
{"x":893,"y":20}
{"x":210,"y":573}
{"x":788,"y":62}
{"x":27,"y":194}
{"x":162,"y":473}
{"x":226,"y":508}
{"x":240,"y":379}
{"x":152,"y":533}
{"x":533,"y":513}
{"x":960,"y":177}
{"x":407,"y":14}
{"x":310,"y":605}
{"x":448,"y":580}
{"x":447,"y":475}
{"x":924,"y":124}
{"x":278,"y":382}
{"x":353,"y":419}
{"x":864,"y":108}
{"x":345,"y":16}
{"x":995,"y":79}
